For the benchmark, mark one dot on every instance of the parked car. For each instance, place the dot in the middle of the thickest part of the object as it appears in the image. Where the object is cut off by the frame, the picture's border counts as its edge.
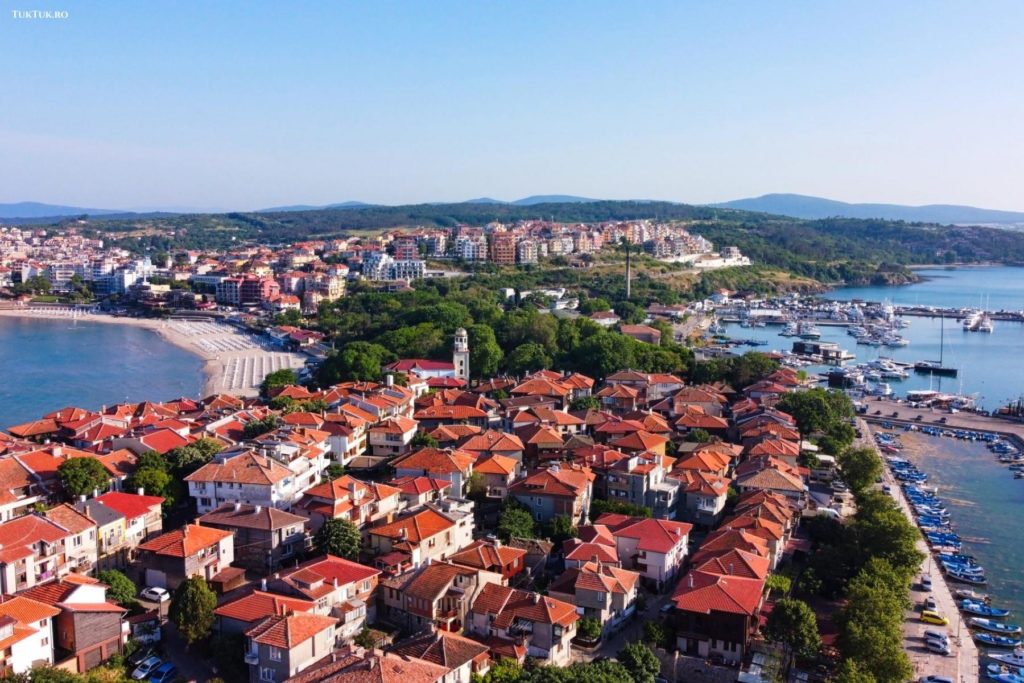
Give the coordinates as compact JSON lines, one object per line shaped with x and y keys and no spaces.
{"x":935,"y":634}
{"x":155,"y":594}
{"x":147,"y":667}
{"x":930,"y":604}
{"x":932,"y":617}
{"x":166,"y":673}
{"x":936,"y":679}
{"x":926,"y":582}
{"x":938,"y":647}
{"x":140,"y":655}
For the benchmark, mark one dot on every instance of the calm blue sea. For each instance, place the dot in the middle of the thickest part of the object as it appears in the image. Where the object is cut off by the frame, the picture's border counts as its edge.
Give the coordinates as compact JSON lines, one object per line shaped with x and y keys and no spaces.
{"x":50,"y":364}
{"x":988,"y":363}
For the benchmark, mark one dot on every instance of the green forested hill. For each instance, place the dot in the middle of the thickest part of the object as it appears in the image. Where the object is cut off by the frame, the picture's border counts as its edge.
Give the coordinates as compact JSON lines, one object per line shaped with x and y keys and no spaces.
{"x":831,"y":250}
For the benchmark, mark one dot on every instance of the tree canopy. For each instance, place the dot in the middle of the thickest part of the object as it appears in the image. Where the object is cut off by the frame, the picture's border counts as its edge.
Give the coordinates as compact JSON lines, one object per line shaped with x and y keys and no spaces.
{"x":81,"y":476}
{"x":338,"y":537}
{"x":792,"y":622}
{"x":192,"y":609}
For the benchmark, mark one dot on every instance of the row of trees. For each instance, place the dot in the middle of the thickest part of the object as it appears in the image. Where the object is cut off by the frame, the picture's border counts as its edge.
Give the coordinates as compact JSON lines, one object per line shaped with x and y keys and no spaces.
{"x":870,"y":562}
{"x":825,"y":413}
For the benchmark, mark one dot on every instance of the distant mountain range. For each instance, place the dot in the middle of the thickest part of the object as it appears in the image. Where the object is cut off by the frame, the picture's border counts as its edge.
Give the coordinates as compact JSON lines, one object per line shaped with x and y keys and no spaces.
{"x":802,"y":206}
{"x":794,"y":205}
{"x":38,"y":210}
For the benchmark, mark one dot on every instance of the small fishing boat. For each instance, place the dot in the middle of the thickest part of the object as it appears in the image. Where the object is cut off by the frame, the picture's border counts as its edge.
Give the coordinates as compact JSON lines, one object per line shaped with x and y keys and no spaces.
{"x":973,"y":596}
{"x":992,"y":640}
{"x":964,"y":569}
{"x":1001,"y":674}
{"x":995,"y":626}
{"x":982,"y":610}
{"x":1015,"y":658}
{"x":973,"y":579}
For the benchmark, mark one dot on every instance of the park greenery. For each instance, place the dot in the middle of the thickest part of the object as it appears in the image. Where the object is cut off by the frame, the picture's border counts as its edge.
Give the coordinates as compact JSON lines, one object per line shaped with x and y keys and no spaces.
{"x":379,"y":327}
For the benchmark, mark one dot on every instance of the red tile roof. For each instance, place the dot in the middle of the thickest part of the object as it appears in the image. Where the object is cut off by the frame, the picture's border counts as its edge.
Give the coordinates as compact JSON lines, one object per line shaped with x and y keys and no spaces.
{"x":186,"y":541}
{"x":706,"y":593}
{"x":131,"y":505}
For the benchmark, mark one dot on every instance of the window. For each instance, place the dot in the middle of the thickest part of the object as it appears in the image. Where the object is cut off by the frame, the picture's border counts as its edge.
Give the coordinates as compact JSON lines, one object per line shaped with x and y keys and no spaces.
{"x":366,"y":585}
{"x":275,"y":654}
{"x":266,"y":673}
{"x":46,"y":640}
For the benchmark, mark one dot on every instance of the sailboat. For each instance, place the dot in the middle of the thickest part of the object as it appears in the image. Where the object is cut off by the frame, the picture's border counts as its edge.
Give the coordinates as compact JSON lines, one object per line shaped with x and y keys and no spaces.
{"x":932,"y":367}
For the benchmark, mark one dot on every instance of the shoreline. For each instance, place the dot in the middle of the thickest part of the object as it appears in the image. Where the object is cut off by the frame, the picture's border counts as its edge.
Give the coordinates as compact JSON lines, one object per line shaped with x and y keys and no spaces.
{"x":231,"y":362}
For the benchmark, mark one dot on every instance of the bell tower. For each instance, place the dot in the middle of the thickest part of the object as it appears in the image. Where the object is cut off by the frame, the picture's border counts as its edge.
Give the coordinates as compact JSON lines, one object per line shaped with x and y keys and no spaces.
{"x":460,"y":358}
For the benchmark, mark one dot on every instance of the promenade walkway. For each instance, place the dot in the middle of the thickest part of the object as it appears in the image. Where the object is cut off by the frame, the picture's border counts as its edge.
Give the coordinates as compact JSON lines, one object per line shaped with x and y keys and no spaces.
{"x":963,"y":664}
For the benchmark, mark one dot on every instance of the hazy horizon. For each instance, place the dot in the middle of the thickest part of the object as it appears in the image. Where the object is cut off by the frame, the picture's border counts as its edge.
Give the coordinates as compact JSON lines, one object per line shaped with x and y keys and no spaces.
{"x":238,"y":106}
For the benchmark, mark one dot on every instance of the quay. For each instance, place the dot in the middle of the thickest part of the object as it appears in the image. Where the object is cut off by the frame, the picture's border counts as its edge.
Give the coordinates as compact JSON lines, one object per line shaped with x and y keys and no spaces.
{"x":889,"y":410}
{"x":965,"y":666}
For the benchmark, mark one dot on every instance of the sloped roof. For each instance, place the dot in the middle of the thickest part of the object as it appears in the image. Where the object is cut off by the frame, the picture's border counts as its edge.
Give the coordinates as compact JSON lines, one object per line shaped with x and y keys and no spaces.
{"x":186,"y":541}
{"x":286,"y":632}
{"x":707,"y":593}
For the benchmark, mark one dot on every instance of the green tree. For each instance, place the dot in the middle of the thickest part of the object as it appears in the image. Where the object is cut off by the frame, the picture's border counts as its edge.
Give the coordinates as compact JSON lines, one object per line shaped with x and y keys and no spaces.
{"x":333,"y":471}
{"x":80,"y":476}
{"x":851,"y":672}
{"x":588,"y":628}
{"x":561,"y":528}
{"x":699,"y":435}
{"x":154,"y":482}
{"x":502,"y":671}
{"x":778,"y":583}
{"x":620,"y":507}
{"x":120,"y":588}
{"x":860,"y":467}
{"x":192,"y":609}
{"x":515,"y":521}
{"x":595,"y":305}
{"x":585,"y":403}
{"x":425,"y":340}
{"x":656,"y":634}
{"x":792,"y":622}
{"x":484,"y":353}
{"x":476,"y":487}
{"x":338,"y":537}
{"x":640,"y":662}
{"x":153,"y":460}
{"x":365,"y":639}
{"x":261,"y":426}
{"x":424,"y":440}
{"x":185,"y":460}
{"x":356,"y":361}
{"x":279,"y":379}
{"x":528,"y":358}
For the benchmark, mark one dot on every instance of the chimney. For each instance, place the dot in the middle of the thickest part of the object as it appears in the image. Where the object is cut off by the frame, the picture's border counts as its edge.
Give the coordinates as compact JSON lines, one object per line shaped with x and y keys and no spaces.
{"x":691,"y":579}
{"x":263,"y":584}
{"x":730,"y":568}
{"x":81,"y":498}
{"x":536,"y":598}
{"x":259,"y":508}
{"x":238,"y":506}
{"x":335,"y":581}
{"x":141,"y":491}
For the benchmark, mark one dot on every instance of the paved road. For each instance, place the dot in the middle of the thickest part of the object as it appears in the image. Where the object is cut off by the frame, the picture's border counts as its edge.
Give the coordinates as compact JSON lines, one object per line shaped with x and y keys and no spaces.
{"x":962,"y":665}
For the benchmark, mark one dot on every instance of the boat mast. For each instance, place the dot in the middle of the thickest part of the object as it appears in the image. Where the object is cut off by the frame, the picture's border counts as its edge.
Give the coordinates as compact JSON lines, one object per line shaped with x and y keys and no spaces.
{"x":942,"y":336}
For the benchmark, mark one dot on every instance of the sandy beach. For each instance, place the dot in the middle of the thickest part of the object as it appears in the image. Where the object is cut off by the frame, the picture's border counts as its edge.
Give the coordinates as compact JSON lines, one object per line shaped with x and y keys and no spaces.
{"x":234,"y":362}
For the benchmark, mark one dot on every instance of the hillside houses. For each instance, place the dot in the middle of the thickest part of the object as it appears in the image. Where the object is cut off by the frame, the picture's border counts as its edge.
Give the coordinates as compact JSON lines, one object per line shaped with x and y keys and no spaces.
{"x":425,"y":472}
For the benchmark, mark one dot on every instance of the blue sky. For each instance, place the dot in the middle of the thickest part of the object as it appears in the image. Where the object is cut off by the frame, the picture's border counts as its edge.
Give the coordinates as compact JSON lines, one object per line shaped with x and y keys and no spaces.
{"x":243,"y":105}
